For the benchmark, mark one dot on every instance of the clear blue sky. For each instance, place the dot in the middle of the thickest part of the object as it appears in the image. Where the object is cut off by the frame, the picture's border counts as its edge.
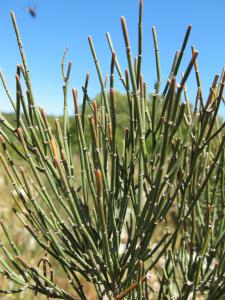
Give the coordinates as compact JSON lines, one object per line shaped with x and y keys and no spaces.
{"x":67,"y":23}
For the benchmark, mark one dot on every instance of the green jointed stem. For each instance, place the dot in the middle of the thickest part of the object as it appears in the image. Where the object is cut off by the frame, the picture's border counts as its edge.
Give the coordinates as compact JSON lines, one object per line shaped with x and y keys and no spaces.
{"x":157,"y":59}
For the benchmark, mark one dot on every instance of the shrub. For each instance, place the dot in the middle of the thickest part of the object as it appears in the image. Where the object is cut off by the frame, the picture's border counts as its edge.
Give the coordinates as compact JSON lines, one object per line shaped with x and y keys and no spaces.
{"x":147,"y":221}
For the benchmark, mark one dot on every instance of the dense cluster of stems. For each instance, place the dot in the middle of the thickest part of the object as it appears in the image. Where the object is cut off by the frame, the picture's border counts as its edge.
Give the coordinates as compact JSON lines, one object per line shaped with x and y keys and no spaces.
{"x":166,"y":179}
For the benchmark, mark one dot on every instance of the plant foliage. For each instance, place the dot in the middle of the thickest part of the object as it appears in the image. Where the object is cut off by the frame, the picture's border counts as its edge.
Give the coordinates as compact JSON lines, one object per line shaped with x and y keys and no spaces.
{"x":152,"y":208}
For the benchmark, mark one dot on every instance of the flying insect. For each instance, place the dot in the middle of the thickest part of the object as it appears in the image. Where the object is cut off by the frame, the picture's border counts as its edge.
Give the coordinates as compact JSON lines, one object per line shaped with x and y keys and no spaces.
{"x":31,"y":11}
